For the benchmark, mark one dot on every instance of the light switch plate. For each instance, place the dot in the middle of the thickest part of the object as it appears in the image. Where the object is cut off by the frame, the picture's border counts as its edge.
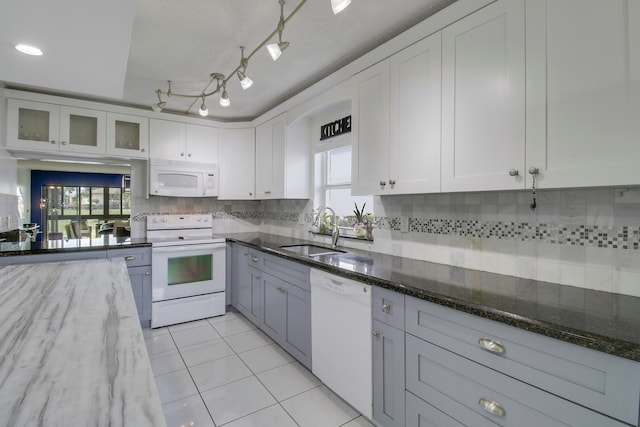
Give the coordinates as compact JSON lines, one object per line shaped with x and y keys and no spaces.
{"x":404,"y":224}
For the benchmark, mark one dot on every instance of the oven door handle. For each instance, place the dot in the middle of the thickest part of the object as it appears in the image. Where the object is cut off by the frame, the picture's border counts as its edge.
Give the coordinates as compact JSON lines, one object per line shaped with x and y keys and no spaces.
{"x":187,"y":248}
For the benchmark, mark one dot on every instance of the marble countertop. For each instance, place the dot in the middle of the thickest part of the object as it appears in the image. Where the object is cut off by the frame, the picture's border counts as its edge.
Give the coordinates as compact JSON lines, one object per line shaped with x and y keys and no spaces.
{"x":71,"y":348}
{"x":69,"y":245}
{"x":598,"y":320}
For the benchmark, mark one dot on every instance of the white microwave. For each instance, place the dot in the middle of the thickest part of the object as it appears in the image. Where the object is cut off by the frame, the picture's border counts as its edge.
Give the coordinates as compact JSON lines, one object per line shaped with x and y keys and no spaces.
{"x":182,"y":179}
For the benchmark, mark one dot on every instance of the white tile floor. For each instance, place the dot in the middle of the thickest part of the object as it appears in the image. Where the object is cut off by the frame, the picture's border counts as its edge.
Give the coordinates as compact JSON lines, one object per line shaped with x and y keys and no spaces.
{"x":223,"y":371}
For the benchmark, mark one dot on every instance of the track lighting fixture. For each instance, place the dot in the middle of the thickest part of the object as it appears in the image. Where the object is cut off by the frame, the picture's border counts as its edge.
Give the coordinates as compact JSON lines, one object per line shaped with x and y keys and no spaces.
{"x":245,"y":81}
{"x":275,"y":50}
{"x":339,"y":5}
{"x":204,"y":111}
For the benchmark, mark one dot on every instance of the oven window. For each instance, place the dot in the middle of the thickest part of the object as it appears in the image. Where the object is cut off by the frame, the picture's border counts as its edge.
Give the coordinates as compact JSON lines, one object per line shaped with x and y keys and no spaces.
{"x":190,"y":269}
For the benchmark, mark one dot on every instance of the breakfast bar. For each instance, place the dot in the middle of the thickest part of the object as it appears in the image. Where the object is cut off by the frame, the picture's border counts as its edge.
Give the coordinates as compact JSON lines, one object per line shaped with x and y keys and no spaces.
{"x":71,"y":347}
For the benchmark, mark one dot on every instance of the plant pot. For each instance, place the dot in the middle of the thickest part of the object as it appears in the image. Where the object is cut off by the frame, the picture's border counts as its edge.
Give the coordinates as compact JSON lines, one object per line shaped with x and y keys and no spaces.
{"x":361,"y":230}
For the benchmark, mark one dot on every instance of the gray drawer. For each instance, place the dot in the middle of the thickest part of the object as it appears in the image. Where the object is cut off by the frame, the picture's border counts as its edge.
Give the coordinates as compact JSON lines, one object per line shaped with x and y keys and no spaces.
{"x":460,"y":387}
{"x":420,"y":413}
{"x":388,"y":307}
{"x":134,"y":257}
{"x":289,"y":271}
{"x":602,"y":382}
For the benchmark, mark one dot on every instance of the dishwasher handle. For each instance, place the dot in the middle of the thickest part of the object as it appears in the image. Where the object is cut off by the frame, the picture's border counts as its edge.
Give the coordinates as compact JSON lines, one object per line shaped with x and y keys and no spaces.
{"x":339,"y":285}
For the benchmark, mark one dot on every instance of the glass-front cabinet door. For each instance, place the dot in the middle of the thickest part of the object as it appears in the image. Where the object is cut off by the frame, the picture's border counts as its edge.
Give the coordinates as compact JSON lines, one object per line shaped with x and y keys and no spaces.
{"x":49,"y":127}
{"x":33,"y":125}
{"x":127,"y":136}
{"x":82,"y":130}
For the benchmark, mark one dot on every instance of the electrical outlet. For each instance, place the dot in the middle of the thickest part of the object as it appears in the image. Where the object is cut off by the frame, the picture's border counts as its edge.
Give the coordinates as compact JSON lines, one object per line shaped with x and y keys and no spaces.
{"x":301,"y":219}
{"x":404,"y":224}
{"x":627,"y":196}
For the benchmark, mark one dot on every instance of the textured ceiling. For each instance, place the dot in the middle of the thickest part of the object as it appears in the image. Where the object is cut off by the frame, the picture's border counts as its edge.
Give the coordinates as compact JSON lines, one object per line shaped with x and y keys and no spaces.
{"x":185,"y":41}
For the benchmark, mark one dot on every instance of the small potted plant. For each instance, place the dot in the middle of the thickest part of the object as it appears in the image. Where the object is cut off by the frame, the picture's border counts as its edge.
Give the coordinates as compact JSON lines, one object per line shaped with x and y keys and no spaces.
{"x":362,"y":226}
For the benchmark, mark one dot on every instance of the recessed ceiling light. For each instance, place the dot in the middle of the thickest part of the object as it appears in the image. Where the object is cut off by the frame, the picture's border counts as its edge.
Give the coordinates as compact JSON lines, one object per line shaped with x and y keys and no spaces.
{"x":29,"y":50}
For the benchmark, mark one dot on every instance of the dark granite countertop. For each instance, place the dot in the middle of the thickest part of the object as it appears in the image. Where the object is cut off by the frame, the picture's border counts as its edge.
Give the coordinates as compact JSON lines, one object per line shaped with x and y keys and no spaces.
{"x":71,"y":245}
{"x":597,"y":320}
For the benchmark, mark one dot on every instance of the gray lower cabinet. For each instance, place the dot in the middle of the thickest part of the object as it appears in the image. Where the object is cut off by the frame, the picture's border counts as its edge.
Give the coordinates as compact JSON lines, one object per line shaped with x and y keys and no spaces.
{"x":388,"y":375}
{"x":286,"y":316}
{"x":483,"y":373}
{"x":241,"y":283}
{"x":388,"y":358}
{"x":275,"y":295}
{"x":138,"y":262}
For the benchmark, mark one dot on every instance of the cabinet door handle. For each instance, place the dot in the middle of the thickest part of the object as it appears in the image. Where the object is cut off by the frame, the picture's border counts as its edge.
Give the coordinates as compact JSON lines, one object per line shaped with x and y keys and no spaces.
{"x":147,"y":273}
{"x":63,"y":142}
{"x":254,"y":258}
{"x":513,"y":172}
{"x":376,"y":334}
{"x":181,"y":154}
{"x":142,"y":150}
{"x":492,"y":346}
{"x":53,"y":141}
{"x":189,"y":155}
{"x":492,"y":407}
{"x":392,"y":182}
{"x":383,"y":183}
{"x":130,"y":258}
{"x":534,"y":171}
{"x":281,"y":289}
{"x":386,"y":308}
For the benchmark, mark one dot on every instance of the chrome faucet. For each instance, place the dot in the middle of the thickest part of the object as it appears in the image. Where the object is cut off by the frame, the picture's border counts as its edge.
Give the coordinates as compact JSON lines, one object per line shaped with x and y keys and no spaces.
{"x":335,"y":233}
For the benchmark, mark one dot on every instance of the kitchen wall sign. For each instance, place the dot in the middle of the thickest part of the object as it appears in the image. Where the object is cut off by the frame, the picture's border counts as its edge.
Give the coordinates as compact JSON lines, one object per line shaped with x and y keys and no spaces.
{"x":336,"y":128}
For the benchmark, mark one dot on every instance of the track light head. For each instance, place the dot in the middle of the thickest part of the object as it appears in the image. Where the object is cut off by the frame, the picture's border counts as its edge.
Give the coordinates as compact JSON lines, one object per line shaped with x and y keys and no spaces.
{"x":339,"y":5}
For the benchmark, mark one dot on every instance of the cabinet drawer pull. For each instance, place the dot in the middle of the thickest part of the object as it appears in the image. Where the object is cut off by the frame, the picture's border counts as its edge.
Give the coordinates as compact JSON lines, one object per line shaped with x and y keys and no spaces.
{"x":386,"y":308}
{"x":492,"y":407}
{"x":254,"y":258}
{"x":130,"y":258}
{"x":376,"y":334}
{"x":492,"y":346}
{"x":147,"y":273}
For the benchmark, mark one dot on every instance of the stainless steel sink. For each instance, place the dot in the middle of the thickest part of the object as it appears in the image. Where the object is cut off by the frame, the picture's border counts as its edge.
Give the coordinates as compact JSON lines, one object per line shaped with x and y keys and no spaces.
{"x":311,"y":250}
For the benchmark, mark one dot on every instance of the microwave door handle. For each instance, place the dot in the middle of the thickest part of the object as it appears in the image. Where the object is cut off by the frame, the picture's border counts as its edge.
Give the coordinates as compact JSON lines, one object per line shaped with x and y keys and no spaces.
{"x":204,"y":183}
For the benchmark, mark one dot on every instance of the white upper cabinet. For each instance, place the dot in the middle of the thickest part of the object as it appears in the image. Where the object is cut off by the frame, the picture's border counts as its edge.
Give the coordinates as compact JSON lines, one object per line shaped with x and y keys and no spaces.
{"x":370,"y":130}
{"x":396,"y":123}
{"x":182,"y":141}
{"x":127,"y":136}
{"x":483,"y":104}
{"x":270,"y":159}
{"x":39,"y":126}
{"x":415,"y":118}
{"x":237,"y":164}
{"x":583,"y":92}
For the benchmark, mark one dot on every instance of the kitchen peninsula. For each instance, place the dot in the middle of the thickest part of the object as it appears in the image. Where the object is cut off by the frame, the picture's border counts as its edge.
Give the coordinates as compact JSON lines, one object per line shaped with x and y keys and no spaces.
{"x":71,"y":347}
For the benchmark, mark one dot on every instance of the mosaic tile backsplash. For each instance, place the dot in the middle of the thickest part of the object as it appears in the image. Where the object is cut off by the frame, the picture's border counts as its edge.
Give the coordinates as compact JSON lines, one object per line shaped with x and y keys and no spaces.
{"x":586,"y":237}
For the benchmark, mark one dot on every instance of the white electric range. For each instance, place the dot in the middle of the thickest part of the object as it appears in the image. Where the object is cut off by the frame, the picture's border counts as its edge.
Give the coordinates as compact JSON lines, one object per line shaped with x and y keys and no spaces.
{"x":188,"y":269}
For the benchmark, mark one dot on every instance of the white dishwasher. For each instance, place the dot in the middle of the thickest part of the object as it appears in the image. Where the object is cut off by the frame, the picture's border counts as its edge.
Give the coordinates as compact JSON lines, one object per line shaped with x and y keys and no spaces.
{"x":341,"y":338}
